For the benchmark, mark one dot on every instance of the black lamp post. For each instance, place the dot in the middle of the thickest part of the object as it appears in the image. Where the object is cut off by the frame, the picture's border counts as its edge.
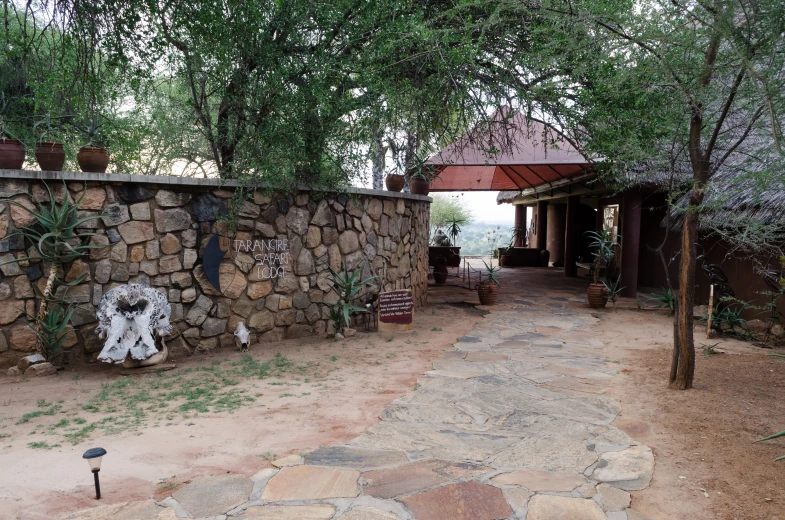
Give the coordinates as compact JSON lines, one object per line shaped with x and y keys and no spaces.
{"x":93,"y":456}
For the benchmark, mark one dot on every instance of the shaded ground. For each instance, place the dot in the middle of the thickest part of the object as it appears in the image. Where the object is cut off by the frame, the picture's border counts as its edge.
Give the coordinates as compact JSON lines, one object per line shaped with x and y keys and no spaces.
{"x":707,"y":464}
{"x":213,"y":413}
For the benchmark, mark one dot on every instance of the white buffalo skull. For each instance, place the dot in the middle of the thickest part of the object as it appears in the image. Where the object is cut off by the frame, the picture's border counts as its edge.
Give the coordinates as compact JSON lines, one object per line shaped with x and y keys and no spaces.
{"x":242,"y":336}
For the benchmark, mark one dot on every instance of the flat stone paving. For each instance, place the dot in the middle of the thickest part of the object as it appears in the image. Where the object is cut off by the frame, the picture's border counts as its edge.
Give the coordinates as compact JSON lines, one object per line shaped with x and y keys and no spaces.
{"x":511,"y":424}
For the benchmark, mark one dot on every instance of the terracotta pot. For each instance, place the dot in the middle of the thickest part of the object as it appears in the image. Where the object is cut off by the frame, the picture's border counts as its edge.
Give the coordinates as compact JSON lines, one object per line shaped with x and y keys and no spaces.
{"x":505,"y":260}
{"x":12,"y":154}
{"x":545,"y":256}
{"x":92,"y":159}
{"x":487,"y":291}
{"x":598,"y":295}
{"x":419,"y":186}
{"x":394,"y":182}
{"x":50,"y":156}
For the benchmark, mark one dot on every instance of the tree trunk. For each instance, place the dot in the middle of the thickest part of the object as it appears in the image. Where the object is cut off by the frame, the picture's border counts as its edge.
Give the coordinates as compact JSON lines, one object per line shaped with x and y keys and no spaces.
{"x":683,"y":362}
{"x":46,"y":295}
{"x":378,"y":153}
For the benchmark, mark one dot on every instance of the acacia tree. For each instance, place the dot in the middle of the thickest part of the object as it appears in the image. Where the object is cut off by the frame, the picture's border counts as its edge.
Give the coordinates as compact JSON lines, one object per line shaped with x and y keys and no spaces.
{"x":706,"y":75}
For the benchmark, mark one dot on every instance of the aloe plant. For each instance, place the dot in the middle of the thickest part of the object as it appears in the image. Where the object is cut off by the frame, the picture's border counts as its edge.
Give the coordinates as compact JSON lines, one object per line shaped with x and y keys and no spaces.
{"x":613,"y":289}
{"x":347,"y":285}
{"x":490,"y":272}
{"x":604,"y":250}
{"x":51,"y":331}
{"x":56,"y":241}
{"x":775,"y":436}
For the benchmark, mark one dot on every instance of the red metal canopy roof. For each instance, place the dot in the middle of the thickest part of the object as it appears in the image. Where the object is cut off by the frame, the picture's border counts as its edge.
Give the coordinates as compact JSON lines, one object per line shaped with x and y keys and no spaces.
{"x":512,"y":154}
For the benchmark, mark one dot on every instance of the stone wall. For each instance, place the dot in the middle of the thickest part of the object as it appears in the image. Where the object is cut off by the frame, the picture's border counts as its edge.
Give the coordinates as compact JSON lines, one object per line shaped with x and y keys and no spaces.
{"x":155,"y":230}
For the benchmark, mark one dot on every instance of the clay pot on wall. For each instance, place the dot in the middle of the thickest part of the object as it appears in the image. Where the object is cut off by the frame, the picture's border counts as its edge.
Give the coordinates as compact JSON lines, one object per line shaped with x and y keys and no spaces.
{"x":487,"y":292}
{"x":50,"y":156}
{"x":12,"y":154}
{"x":597,"y":295}
{"x":394,"y":182}
{"x":419,"y":186}
{"x":93,"y":159}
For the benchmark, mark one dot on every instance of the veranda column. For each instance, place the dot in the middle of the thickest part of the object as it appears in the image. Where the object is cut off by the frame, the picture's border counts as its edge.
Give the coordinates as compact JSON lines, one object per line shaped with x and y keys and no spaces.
{"x":542,"y":224}
{"x":520,"y":223}
{"x":557,"y":219}
{"x":630,"y":242}
{"x":571,"y":237}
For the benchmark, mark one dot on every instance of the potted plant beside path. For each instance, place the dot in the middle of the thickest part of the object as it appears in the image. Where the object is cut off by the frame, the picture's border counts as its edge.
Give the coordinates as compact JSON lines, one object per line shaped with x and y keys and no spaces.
{"x":604,"y":251}
{"x":488,"y":290}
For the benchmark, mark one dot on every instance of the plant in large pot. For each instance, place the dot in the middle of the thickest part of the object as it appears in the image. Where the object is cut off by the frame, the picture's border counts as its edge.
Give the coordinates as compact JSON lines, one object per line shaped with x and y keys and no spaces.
{"x":420,"y":183}
{"x":12,"y":151}
{"x":604,"y":251}
{"x":92,"y":157}
{"x":49,"y":151}
{"x":488,"y":290}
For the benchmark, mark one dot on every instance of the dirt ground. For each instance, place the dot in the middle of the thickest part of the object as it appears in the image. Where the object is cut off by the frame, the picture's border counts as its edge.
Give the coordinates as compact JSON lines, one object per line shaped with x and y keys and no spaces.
{"x":707,"y":465}
{"x":328,"y":393}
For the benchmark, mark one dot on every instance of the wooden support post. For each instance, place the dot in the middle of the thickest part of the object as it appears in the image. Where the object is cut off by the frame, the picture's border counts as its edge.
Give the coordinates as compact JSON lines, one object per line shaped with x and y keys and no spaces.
{"x":711,"y":311}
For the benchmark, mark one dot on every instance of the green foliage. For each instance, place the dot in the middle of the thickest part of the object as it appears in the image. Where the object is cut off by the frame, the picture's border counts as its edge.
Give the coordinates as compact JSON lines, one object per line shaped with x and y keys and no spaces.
{"x":54,"y":235}
{"x":57,"y":240}
{"x":613,"y":289}
{"x":51,"y":330}
{"x":667,"y":301}
{"x":604,"y":250}
{"x":348,"y":287}
{"x":491,"y":271}
{"x":449,"y":213}
{"x":727,"y":318}
{"x":775,"y":436}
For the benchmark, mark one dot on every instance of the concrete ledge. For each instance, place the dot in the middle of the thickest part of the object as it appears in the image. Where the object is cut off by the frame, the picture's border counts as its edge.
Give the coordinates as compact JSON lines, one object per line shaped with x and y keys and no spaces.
{"x":171,"y":180}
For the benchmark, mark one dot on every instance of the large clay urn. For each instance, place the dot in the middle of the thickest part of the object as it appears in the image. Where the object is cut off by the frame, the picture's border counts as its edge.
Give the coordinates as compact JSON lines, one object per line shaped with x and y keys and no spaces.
{"x":93,"y":159}
{"x":50,"y":156}
{"x":12,"y":154}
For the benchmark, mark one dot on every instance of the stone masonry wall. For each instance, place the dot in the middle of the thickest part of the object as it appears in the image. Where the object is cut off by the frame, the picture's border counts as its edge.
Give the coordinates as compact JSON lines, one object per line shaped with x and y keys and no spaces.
{"x":156,"y":229}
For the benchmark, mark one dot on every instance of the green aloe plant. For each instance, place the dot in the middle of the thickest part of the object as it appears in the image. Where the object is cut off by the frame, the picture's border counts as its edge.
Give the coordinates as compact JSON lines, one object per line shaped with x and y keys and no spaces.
{"x":56,"y":241}
{"x":613,"y":289}
{"x":347,"y":285}
{"x":490,"y":272}
{"x":775,"y":436}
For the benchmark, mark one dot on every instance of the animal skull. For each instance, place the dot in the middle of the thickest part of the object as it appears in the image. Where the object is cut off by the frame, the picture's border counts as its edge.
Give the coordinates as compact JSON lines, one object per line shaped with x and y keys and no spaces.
{"x":242,"y":336}
{"x":128,"y":317}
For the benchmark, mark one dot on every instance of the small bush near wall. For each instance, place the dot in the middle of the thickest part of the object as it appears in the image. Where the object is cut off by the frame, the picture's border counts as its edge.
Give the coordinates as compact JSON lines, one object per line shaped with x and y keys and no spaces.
{"x":274,"y":274}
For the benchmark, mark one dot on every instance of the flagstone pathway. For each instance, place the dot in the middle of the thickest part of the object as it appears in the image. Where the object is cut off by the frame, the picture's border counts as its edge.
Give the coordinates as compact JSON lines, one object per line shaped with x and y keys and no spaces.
{"x":512,"y":423}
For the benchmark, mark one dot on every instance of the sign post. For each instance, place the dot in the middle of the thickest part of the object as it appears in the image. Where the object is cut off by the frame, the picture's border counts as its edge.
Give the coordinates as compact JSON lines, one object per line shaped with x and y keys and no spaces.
{"x":396,"y":311}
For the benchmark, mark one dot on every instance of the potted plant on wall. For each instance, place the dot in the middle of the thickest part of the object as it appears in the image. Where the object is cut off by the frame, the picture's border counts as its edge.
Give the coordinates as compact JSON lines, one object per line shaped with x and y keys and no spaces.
{"x":394,"y":182}
{"x":12,"y":151}
{"x":420,"y":181}
{"x":488,"y":290}
{"x":92,"y":157}
{"x":48,"y":151}
{"x":604,"y":251}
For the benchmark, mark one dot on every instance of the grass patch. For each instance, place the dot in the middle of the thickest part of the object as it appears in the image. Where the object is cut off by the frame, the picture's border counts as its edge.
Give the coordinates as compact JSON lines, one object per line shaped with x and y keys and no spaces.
{"x":131,"y":403}
{"x":39,"y":413}
{"x":41,"y":445}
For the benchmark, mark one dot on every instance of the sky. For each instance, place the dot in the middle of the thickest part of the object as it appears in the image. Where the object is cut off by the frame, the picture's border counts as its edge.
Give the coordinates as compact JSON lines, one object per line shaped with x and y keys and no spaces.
{"x":484,"y":208}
